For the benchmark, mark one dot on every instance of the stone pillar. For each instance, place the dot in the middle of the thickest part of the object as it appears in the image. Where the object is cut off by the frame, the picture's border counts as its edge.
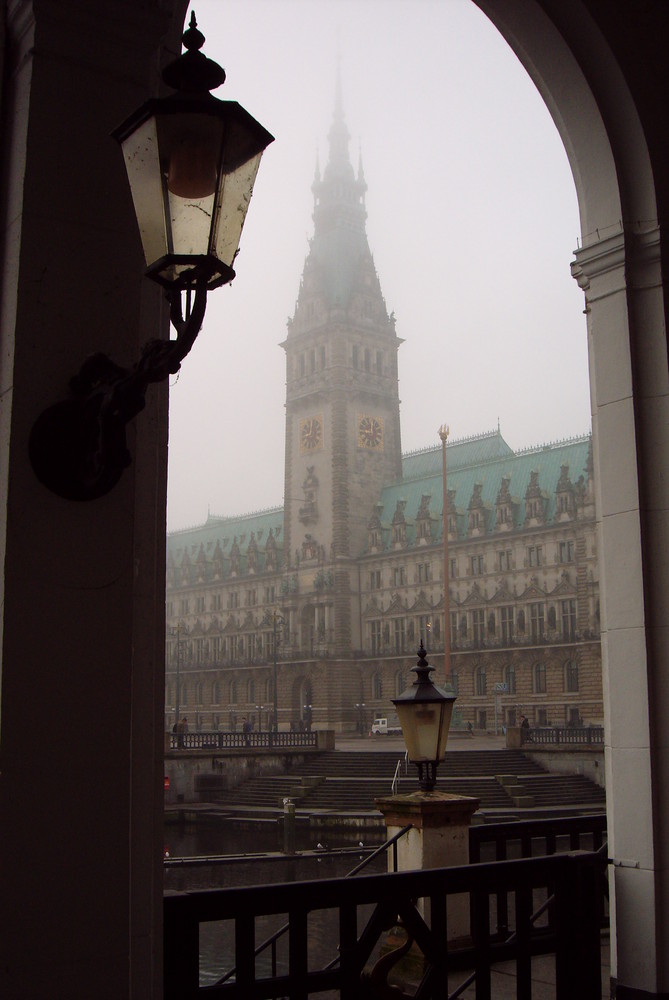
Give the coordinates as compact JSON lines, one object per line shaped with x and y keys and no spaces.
{"x":439,"y":839}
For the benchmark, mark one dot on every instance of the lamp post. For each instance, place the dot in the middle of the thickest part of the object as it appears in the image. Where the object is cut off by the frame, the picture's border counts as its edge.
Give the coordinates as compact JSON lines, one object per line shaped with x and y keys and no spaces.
{"x":177,"y":630}
{"x":278,"y":621}
{"x":443,"y":434}
{"x":424,"y":711}
{"x":361,"y":717}
{"x":191,"y":162}
{"x":259,"y":710}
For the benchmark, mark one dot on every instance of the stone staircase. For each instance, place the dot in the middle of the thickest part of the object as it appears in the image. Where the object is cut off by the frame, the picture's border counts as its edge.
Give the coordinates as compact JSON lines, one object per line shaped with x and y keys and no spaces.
{"x":349,"y":782}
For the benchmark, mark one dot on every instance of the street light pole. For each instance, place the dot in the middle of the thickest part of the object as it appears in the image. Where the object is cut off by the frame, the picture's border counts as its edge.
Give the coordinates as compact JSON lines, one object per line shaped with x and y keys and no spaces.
{"x":277,"y":619}
{"x":176,"y":630}
{"x":443,"y":434}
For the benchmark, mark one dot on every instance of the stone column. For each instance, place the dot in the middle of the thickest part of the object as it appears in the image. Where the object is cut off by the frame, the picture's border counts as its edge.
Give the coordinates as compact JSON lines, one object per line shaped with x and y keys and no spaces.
{"x":439,"y":839}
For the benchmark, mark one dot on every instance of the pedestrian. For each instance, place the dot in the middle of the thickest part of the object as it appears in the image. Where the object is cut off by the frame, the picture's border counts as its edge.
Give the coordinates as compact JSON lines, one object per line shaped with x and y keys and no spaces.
{"x":524,"y":722}
{"x":246,"y":729}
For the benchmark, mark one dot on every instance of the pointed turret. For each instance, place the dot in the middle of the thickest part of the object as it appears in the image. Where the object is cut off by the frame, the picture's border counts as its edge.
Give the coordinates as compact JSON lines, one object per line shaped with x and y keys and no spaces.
{"x":339,"y":267}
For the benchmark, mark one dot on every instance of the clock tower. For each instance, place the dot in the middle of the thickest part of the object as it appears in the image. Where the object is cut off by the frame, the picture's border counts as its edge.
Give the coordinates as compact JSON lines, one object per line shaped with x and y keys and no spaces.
{"x":342,"y":407}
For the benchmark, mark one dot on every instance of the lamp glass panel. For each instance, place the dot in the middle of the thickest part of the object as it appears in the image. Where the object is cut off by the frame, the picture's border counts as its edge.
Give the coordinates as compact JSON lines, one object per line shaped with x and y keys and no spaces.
{"x":233,"y":202}
{"x":446,"y":715}
{"x":142,"y":162}
{"x":420,"y":727}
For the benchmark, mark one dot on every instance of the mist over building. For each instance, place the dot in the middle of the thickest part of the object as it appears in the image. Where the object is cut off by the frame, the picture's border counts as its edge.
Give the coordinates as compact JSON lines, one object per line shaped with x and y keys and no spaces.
{"x":348,"y":576}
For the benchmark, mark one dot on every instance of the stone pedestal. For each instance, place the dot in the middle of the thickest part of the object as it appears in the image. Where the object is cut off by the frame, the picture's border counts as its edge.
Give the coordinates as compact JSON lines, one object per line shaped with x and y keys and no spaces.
{"x":439,"y":839}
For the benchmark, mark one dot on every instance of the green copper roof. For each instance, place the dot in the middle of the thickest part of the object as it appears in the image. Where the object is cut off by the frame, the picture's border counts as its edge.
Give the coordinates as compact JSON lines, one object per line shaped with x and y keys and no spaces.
{"x":485,"y":461}
{"x":226,"y":531}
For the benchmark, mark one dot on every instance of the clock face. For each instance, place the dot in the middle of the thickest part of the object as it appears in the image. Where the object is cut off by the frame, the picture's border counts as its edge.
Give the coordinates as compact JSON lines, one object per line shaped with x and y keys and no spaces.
{"x":311,"y":433}
{"x":370,"y":432}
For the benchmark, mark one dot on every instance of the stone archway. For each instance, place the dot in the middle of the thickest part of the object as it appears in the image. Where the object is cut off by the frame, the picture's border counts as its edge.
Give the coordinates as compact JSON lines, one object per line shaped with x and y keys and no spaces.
{"x":618,"y":266}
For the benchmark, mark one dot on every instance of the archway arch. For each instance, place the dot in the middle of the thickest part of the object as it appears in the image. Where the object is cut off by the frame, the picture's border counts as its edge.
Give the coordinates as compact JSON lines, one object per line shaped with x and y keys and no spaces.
{"x":597,"y":108}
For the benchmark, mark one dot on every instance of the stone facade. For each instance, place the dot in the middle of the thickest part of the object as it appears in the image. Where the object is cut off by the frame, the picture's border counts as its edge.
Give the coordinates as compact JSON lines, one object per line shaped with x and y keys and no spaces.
{"x":345,"y":580}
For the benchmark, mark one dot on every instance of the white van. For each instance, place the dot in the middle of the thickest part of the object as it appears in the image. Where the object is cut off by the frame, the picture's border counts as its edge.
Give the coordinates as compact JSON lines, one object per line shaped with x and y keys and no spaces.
{"x":386,"y":727}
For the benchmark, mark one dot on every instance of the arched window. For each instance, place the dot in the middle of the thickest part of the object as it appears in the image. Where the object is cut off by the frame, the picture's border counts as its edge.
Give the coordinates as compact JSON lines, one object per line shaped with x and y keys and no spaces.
{"x":233,"y":692}
{"x":377,"y":687}
{"x":215,"y":693}
{"x":571,"y":676}
{"x":269,"y":689}
{"x":251,"y":691}
{"x":510,"y":678}
{"x":540,"y":678}
{"x":184,"y":695}
{"x":480,"y":681}
{"x":198,"y":693}
{"x":400,"y":683}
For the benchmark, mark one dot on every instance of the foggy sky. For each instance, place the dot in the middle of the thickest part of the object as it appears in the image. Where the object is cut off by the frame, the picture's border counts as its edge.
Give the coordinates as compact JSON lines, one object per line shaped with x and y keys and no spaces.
{"x":472,"y":220}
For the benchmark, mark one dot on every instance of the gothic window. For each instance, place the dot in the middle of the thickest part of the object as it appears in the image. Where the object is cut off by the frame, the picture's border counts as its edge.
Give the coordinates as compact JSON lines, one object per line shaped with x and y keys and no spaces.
{"x":539,"y":674}
{"x":510,"y":678}
{"x":566,"y":552}
{"x":454,"y":623}
{"x":199,"y":650}
{"x":216,"y":602}
{"x":504,"y":560}
{"x":398,"y":576}
{"x":535,"y":555}
{"x":480,"y":682}
{"x":377,"y":687}
{"x":568,"y":615}
{"x":375,"y":579}
{"x":478,"y":625}
{"x":521,"y":621}
{"x":476,"y":565}
{"x":537,"y":621}
{"x":375,"y":634}
{"x":216,"y":648}
{"x":423,"y":572}
{"x":571,"y":676}
{"x":506,"y":622}
{"x":551,"y":617}
{"x":250,"y":598}
{"x":399,"y":635}
{"x":452,"y":568}
{"x":183,"y":606}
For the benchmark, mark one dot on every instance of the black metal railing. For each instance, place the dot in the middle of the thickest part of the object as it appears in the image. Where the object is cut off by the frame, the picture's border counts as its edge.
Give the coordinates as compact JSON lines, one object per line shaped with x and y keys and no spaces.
{"x":572,"y":883}
{"x":272,"y":942}
{"x":564,"y":735}
{"x":240,"y":741}
{"x":539,"y":837}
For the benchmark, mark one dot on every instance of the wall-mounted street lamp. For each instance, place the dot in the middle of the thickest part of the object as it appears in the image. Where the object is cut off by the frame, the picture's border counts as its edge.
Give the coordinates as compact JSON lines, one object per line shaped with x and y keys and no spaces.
{"x":424,"y":711}
{"x":191,"y":161}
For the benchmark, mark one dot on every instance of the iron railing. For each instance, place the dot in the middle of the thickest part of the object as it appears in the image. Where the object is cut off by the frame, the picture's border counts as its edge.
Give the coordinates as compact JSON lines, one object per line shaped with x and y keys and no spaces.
{"x":240,"y":741}
{"x":564,"y":735}
{"x":571,"y":882}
